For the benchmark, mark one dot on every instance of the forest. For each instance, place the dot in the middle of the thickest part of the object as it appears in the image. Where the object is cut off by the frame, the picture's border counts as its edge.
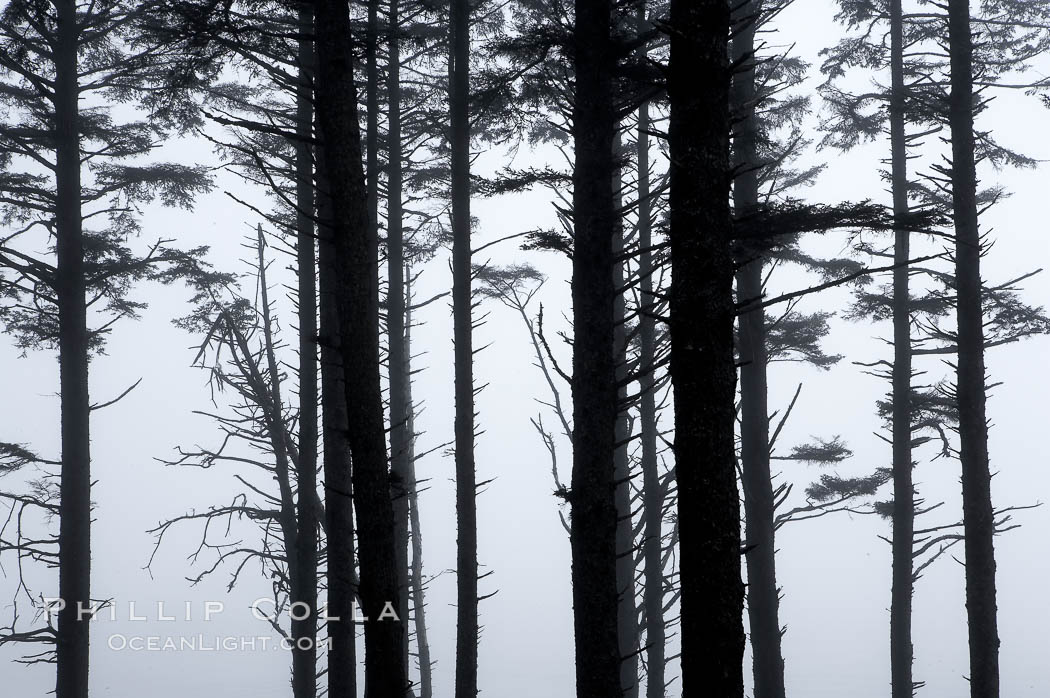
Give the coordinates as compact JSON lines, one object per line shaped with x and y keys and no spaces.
{"x":523,"y":348}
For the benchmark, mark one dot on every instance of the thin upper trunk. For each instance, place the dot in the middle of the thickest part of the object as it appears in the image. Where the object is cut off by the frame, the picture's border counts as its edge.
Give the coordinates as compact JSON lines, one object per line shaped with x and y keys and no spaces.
{"x":978,"y":518}
{"x":462,"y":300}
{"x":418,"y":588}
{"x":372,"y":113}
{"x":304,"y":632}
{"x":627,"y":613}
{"x":702,"y":363}
{"x":356,"y":247}
{"x":74,"y":538}
{"x":268,"y":380}
{"x":901,"y":653}
{"x":763,"y":596}
{"x":593,"y":503}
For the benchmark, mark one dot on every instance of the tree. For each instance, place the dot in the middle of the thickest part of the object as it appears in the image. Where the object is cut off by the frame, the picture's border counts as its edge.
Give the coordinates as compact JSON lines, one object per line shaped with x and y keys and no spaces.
{"x":338,"y":481}
{"x":462,"y":305}
{"x":978,"y":517}
{"x":654,"y":492}
{"x":916,"y":98}
{"x":356,"y":250}
{"x":592,"y":490}
{"x":53,"y":57}
{"x":239,"y":349}
{"x":763,"y":596}
{"x":397,"y":359}
{"x":268,"y":109}
{"x":304,"y":632}
{"x":702,"y":368}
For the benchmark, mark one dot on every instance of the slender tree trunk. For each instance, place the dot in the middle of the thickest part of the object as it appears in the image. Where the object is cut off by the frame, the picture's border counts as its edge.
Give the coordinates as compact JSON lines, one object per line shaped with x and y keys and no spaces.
{"x":74,"y":537}
{"x":339,"y":511}
{"x":653,"y":490}
{"x":304,"y":632}
{"x":978,"y":518}
{"x":356,"y":246}
{"x":593,"y":502}
{"x":372,"y":114}
{"x":627,"y":613}
{"x":418,"y":587}
{"x":763,"y":596}
{"x":763,"y":601}
{"x":702,"y":363}
{"x":901,"y":653}
{"x":395,"y":320}
{"x":268,"y":380}
{"x":462,"y":302}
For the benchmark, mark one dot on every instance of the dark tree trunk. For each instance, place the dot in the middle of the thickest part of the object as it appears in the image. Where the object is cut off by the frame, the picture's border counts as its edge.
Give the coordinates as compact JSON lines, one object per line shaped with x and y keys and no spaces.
{"x":592,"y":498}
{"x":763,"y":596}
{"x":627,"y":613}
{"x":356,"y":247}
{"x":395,"y":320}
{"x":901,"y":653}
{"x":74,"y":537}
{"x":304,"y":632}
{"x":978,"y":518}
{"x":462,"y":301}
{"x":702,"y":363}
{"x":339,"y":511}
{"x":652,"y":488}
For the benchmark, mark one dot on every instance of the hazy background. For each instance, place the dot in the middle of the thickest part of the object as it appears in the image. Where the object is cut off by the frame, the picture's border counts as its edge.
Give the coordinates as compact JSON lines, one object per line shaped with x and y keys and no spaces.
{"x":835,"y":572}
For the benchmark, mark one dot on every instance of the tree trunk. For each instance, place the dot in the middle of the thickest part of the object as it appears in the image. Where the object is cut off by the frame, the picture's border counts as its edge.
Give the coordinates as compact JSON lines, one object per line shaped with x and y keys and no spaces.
{"x":592,"y":497}
{"x":702,"y":363}
{"x":462,"y":301}
{"x":418,"y":587}
{"x":339,"y":511}
{"x":74,"y":537}
{"x":372,"y":114}
{"x":901,"y":652}
{"x":304,"y":632}
{"x":978,"y":518}
{"x":395,"y":320}
{"x":356,"y":247}
{"x":653,"y":490}
{"x":763,"y":596}
{"x":627,"y":613}
{"x":270,"y":400}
